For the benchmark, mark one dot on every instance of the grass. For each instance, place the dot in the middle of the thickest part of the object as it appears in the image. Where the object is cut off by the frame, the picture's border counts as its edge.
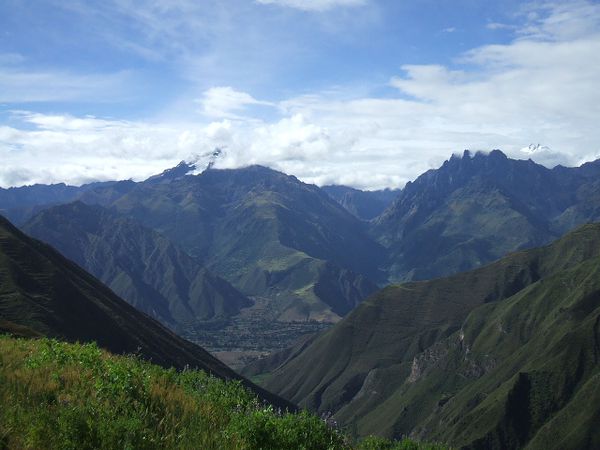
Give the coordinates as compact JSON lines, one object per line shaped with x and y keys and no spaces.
{"x":76,"y":396}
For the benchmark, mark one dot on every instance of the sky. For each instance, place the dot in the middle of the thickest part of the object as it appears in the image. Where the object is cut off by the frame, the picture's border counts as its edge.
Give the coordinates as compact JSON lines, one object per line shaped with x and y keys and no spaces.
{"x":366,"y":93}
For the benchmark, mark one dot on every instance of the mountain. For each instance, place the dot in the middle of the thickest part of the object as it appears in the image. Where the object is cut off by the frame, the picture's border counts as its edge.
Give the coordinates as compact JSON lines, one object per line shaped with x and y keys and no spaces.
{"x":18,"y":203}
{"x":477,"y":208}
{"x":268,"y":234}
{"x":138,"y":264}
{"x":499,"y":357}
{"x":43,"y":293}
{"x":265,"y":232}
{"x":365,"y":205}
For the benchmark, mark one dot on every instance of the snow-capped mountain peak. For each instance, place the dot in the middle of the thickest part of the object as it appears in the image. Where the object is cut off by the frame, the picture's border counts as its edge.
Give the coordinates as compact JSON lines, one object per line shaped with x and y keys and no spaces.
{"x":204,"y":161}
{"x":194,"y":165}
{"x":536,"y":148}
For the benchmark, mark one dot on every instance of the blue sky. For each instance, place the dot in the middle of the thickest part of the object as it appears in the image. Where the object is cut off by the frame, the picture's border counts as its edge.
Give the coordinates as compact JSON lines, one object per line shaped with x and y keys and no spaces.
{"x":361,"y":92}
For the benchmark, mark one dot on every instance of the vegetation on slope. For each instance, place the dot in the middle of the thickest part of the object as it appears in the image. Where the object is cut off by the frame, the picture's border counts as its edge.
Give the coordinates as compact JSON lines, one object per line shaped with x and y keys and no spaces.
{"x":72,"y":396}
{"x":69,"y":396}
{"x":523,"y":372}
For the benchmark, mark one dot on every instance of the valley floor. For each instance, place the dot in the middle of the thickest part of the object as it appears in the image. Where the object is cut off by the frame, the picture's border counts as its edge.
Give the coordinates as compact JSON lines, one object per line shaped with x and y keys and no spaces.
{"x":249,"y":336}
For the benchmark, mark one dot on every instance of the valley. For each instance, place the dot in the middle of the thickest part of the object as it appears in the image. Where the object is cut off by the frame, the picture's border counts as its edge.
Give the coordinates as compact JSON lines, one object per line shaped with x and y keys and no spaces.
{"x":252,"y":334}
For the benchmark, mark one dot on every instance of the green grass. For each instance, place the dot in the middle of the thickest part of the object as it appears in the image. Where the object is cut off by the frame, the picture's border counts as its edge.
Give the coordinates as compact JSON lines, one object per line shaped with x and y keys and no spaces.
{"x":76,"y":396}
{"x":73,"y":396}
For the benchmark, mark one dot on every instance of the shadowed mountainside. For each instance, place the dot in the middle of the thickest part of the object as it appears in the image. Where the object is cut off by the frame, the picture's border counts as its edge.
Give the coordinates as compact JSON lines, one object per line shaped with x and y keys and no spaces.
{"x":19,"y":204}
{"x":138,"y":264}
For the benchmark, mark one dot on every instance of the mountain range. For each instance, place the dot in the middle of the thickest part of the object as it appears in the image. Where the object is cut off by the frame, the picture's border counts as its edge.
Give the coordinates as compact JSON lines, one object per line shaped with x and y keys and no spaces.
{"x":304,"y":256}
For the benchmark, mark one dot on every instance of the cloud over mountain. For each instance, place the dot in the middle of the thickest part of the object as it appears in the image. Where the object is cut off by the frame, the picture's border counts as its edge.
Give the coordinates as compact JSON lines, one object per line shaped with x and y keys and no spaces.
{"x":534,"y":85}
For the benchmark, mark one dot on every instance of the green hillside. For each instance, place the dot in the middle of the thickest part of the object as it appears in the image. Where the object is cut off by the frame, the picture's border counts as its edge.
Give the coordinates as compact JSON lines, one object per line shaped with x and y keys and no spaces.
{"x":444,"y":359}
{"x":66,"y":396}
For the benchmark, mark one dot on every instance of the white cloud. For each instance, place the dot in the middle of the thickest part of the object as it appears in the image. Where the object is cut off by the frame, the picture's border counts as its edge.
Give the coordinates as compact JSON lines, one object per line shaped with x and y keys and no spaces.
{"x":556,"y":21}
{"x":499,"y":26}
{"x":76,"y":150}
{"x":313,"y":5}
{"x":223,"y":101}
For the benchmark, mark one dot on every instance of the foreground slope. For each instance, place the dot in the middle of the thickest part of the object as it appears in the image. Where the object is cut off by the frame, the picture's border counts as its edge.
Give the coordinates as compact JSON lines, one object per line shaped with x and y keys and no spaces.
{"x":420,"y":357}
{"x":138,"y":264}
{"x":43,"y":293}
{"x":104,"y":401}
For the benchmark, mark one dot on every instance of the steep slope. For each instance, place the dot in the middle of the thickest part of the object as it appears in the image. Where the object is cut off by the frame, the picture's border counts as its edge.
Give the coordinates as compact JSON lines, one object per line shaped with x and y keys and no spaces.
{"x":365,"y":205}
{"x":524,"y":372}
{"x":268,"y":234}
{"x":138,"y":264}
{"x":365,"y":369}
{"x":42,"y":291}
{"x":477,"y":208}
